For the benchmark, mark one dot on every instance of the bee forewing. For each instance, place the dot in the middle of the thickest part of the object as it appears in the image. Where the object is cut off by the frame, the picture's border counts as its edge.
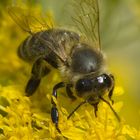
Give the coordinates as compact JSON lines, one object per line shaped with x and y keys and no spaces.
{"x":29,"y":20}
{"x":33,"y":22}
{"x":86,"y":20}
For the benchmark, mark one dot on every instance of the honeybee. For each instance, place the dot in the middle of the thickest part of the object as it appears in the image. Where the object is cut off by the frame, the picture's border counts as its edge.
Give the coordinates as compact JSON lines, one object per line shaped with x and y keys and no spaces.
{"x":80,"y":61}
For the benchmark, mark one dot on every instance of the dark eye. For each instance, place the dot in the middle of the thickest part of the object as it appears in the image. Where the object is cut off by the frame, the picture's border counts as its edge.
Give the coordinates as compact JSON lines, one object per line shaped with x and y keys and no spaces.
{"x":83,"y":85}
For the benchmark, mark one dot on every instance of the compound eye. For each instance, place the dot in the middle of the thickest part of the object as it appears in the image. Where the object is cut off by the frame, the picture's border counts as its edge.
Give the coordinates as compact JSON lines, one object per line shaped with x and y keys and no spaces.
{"x":83,"y":85}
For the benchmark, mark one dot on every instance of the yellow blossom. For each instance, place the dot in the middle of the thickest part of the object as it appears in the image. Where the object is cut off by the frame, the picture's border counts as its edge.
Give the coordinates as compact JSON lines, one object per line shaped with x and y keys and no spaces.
{"x":23,"y":122}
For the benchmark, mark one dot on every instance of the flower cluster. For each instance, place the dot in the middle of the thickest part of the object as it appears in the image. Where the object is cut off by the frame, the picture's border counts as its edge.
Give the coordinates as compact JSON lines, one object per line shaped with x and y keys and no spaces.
{"x":20,"y":119}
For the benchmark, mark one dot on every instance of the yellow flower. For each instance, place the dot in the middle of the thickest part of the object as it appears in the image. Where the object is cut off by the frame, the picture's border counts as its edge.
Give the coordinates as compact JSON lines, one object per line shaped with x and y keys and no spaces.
{"x":23,"y":121}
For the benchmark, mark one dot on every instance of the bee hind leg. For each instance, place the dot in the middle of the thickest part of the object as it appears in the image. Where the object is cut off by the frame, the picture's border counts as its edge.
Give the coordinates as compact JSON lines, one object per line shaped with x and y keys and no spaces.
{"x":39,"y":70}
{"x":32,"y":85}
{"x":54,"y":110}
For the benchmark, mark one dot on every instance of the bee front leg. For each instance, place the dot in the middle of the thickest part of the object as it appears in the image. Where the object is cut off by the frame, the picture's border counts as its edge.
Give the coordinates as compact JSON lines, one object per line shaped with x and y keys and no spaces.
{"x":110,"y":95}
{"x":69,"y":92}
{"x":95,"y":108}
{"x":54,"y":110}
{"x":39,"y":70}
{"x":112,"y":89}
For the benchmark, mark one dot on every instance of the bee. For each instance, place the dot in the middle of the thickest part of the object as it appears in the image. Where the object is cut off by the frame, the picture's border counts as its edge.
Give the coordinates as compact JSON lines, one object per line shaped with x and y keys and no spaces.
{"x":80,"y":61}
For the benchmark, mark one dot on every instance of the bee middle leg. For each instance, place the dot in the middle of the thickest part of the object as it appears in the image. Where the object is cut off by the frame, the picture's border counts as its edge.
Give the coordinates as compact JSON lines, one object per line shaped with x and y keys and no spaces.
{"x":39,"y":70}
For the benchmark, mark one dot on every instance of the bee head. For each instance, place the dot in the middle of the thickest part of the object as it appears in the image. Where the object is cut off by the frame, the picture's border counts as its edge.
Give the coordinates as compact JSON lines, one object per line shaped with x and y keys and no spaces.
{"x":93,"y":86}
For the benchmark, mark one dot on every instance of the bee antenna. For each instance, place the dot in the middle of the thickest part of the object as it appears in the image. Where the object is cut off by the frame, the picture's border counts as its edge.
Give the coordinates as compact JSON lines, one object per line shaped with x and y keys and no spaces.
{"x":115,"y":113}
{"x":76,"y":108}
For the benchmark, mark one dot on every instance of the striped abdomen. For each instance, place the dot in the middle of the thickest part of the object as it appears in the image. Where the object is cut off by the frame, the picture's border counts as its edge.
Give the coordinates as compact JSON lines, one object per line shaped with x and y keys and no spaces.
{"x":31,"y":48}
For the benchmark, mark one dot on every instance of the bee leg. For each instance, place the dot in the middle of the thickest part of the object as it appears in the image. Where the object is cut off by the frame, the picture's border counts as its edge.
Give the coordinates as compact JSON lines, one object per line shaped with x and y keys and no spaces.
{"x":69,"y":92}
{"x":54,"y":110}
{"x":95,"y":108}
{"x":39,"y":70}
{"x":111,"y":91}
{"x":110,"y":95}
{"x":32,"y":85}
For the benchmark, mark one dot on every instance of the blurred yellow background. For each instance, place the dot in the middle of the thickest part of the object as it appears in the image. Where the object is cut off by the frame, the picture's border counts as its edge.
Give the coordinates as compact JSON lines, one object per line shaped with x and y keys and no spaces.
{"x":120,"y":36}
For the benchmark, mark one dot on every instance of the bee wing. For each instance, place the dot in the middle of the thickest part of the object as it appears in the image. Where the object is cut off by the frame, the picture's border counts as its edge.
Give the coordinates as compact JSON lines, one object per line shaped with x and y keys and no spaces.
{"x":29,"y":20}
{"x":86,"y":19}
{"x":33,"y":22}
